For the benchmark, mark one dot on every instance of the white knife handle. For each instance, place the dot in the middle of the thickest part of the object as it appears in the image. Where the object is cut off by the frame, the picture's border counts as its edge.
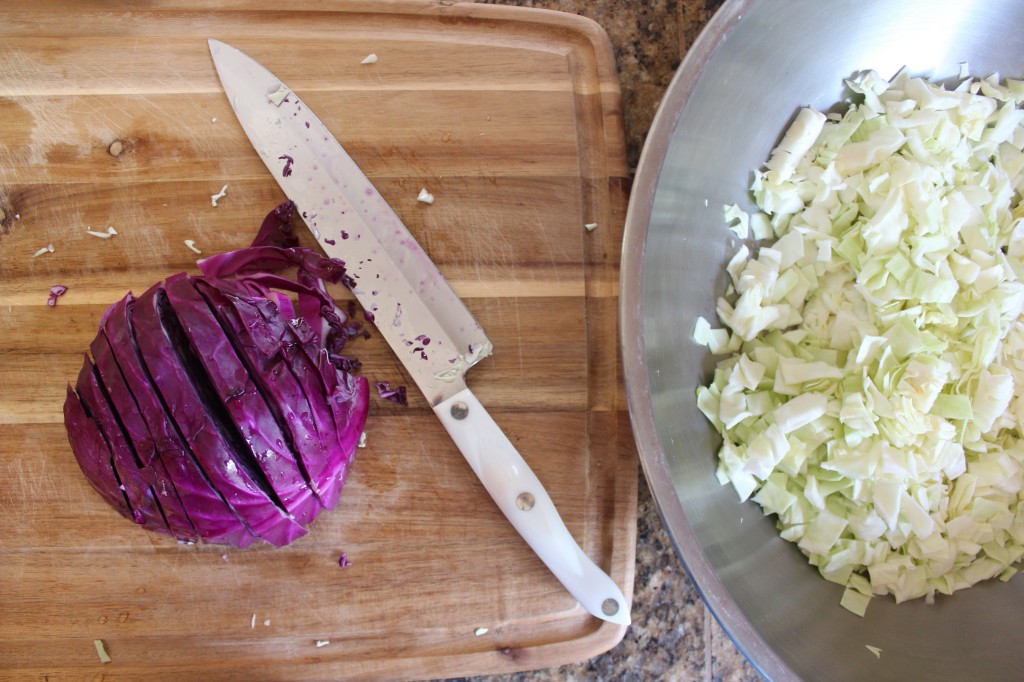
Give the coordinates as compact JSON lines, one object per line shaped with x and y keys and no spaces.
{"x":527,"y":505}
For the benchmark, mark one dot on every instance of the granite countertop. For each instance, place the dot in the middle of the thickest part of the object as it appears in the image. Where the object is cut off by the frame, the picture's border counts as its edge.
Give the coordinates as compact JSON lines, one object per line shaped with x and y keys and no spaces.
{"x":674,"y":637}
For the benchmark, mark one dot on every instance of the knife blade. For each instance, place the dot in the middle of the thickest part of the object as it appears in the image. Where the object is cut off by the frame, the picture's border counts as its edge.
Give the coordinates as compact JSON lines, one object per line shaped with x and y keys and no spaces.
{"x":412,"y":306}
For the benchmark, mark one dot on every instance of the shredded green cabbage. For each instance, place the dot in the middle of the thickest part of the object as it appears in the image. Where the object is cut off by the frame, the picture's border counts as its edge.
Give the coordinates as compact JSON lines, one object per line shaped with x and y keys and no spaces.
{"x":868,"y":397}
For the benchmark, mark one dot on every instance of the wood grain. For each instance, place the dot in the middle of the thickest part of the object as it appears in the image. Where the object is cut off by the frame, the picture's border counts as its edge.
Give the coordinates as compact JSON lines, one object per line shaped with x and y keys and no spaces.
{"x":511,"y":118}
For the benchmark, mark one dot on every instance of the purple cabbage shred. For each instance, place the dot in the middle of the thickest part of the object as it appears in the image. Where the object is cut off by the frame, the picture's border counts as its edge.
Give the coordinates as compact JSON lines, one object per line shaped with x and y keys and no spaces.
{"x":56,"y":291}
{"x":395,"y":395}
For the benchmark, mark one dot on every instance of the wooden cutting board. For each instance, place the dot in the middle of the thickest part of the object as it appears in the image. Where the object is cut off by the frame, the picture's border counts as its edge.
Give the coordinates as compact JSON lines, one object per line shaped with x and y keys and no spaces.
{"x":111,"y":115}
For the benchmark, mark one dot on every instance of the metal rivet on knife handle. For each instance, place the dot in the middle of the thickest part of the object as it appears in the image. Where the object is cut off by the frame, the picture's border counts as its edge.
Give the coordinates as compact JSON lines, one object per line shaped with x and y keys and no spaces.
{"x":609,"y":607}
{"x":460,"y":410}
{"x":525,"y":501}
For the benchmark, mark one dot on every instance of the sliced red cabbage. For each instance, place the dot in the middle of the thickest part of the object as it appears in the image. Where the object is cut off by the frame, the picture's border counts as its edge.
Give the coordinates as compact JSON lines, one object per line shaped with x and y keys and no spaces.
{"x":143,"y":444}
{"x":93,"y":455}
{"x":339,"y":400}
{"x":214,"y":519}
{"x":349,"y":398}
{"x":303,"y":428}
{"x":276,"y":229}
{"x":192,"y":403}
{"x":225,"y":407}
{"x":247,"y":414}
{"x":145,"y":509}
{"x":257,"y":260}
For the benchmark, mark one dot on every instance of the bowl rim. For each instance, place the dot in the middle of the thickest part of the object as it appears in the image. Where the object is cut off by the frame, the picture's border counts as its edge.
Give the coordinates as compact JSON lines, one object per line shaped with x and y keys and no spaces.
{"x":651,"y":451}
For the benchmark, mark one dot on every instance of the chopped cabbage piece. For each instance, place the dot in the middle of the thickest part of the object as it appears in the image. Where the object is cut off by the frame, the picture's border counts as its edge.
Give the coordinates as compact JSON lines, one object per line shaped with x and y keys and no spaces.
{"x":717,"y":340}
{"x":855,"y":601}
{"x":101,"y":651}
{"x":867,"y":394}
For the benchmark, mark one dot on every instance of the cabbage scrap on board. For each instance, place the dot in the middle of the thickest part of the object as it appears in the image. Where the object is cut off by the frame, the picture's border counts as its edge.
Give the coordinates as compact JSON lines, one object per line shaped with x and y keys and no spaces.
{"x":869,"y":398}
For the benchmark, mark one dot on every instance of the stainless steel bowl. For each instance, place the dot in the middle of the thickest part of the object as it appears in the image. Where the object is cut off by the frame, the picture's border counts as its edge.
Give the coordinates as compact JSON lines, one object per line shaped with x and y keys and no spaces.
{"x":754,"y":65}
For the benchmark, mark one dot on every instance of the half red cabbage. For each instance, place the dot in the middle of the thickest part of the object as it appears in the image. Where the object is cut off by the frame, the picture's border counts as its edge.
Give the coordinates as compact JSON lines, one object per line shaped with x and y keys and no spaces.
{"x":209,"y":410}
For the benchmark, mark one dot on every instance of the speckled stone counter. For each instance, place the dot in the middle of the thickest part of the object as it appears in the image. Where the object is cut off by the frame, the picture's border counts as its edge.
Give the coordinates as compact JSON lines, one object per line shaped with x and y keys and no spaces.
{"x":673,"y":636}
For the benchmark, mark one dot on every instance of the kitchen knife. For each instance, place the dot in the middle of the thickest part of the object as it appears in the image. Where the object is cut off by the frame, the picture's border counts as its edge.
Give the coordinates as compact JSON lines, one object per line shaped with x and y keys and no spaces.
{"x":412,"y":306}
